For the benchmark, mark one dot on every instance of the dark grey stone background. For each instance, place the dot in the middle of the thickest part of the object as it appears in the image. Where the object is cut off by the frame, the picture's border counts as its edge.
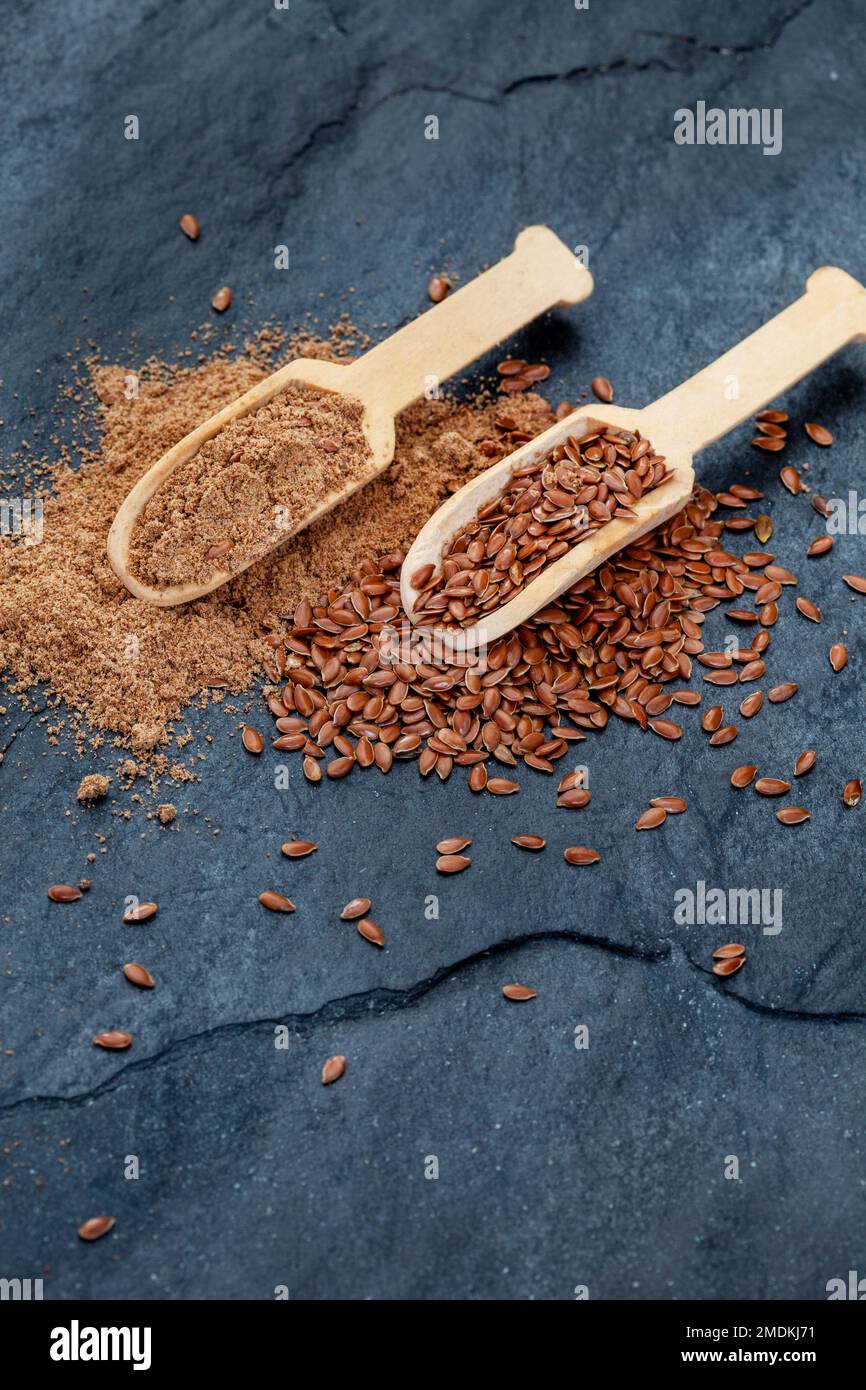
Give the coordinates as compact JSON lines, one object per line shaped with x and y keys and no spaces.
{"x":558,"y":1167}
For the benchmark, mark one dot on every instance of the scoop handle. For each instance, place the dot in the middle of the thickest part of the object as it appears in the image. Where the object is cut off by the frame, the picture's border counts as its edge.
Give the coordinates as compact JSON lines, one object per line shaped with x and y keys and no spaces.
{"x":541,"y":271}
{"x":830,"y":314}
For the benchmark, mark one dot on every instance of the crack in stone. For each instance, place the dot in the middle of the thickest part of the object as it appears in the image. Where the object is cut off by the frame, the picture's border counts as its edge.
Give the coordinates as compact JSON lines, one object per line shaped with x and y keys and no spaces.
{"x":774,"y":1010}
{"x":734,"y":50}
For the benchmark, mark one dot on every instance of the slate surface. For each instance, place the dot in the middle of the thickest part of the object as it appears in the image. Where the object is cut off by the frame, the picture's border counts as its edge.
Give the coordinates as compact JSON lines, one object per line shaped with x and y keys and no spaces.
{"x":558,"y":1166}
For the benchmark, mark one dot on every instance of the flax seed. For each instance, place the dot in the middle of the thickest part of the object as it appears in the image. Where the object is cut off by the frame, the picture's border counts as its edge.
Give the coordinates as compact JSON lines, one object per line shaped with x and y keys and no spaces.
{"x":809,"y":609}
{"x":141,"y":913}
{"x":580,"y":854}
{"x":729,"y":966}
{"x":712,"y":719}
{"x":252,"y":739}
{"x":772,"y":786}
{"x":673,"y":805}
{"x":778,"y":694}
{"x":751,"y":704}
{"x":742,"y":776}
{"x":437,"y":288}
{"x":819,"y":546}
{"x":452,"y":863}
{"x":790,"y":479}
{"x":726,"y":734}
{"x":793,"y":815}
{"x":519,"y":994}
{"x":113,"y":1040}
{"x":333,"y":1069}
{"x":137,"y":975}
{"x":574,"y":799}
{"x":371,"y":932}
{"x":454,"y":845}
{"x":222,"y":300}
{"x":818,"y":434}
{"x":601,"y":389}
{"x":769,"y":444}
{"x":502,"y":786}
{"x":298,"y":849}
{"x":729,"y":952}
{"x":532,"y":842}
{"x":852,"y":792}
{"x":856,"y":582}
{"x":805,"y":762}
{"x":190,"y":226}
{"x":64,"y":893}
{"x":650,"y":819}
{"x":838,"y":656}
{"x":355,"y":908}
{"x":276,"y":902}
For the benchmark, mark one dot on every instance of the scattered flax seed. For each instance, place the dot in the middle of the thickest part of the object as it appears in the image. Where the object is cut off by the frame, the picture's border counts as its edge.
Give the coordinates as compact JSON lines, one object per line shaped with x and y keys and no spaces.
{"x":809,"y":609}
{"x":64,"y":893}
{"x":533,"y":842}
{"x":298,"y":849}
{"x":730,"y":966}
{"x":790,"y":479}
{"x":769,"y":427}
{"x":729,"y":952}
{"x":742,"y":776}
{"x":142,"y":913}
{"x":852,"y":792}
{"x":502,"y":786}
{"x":189,"y":225}
{"x":221,"y":300}
{"x":775,"y":417}
{"x":805,"y":762}
{"x":819,"y":546}
{"x":355,"y":908}
{"x":778,"y":694}
{"x":763,"y":529}
{"x":821,"y":505}
{"x":452,"y":863}
{"x":648,"y":820}
{"x":371,"y":932}
{"x":793,"y":815}
{"x":437,"y":288}
{"x":312,"y":770}
{"x":751,"y":704}
{"x":137,"y":975}
{"x":340,"y":767}
{"x":478,"y":778}
{"x":838,"y":656}
{"x":579,"y":854}
{"x":95,"y":1227}
{"x":333,"y":1070}
{"x":252,"y":740}
{"x":276,"y":902}
{"x":114,"y":1040}
{"x":712,"y":719}
{"x":666,"y":728}
{"x":818,"y":434}
{"x":768,"y":443}
{"x":772,"y":786}
{"x":601,"y":389}
{"x":856,"y":582}
{"x":674,"y":805}
{"x":453,"y":845}
{"x":574,"y":799}
{"x":519,"y":993}
{"x":726,"y":734}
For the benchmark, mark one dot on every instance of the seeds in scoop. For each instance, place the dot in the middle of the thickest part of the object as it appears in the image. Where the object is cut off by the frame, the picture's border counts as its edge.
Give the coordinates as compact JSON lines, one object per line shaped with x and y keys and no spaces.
{"x":752,"y":703}
{"x":793,"y":815}
{"x":790,"y":479}
{"x":712,"y":719}
{"x":674,"y":805}
{"x":809,"y":609}
{"x":771,"y":786}
{"x":856,"y":582}
{"x":805,"y":762}
{"x":333,"y":1070}
{"x":852,"y":792}
{"x":819,"y":546}
{"x":252,"y":740}
{"x":190,"y":227}
{"x":454,"y":845}
{"x":420,"y":577}
{"x":729,"y":952}
{"x":579,"y":854}
{"x":113,"y":1040}
{"x":528,"y":841}
{"x":438,"y":288}
{"x":780,"y":693}
{"x":726,"y":734}
{"x":137,"y":975}
{"x":64,"y":893}
{"x":769,"y":444}
{"x":519,"y":993}
{"x":221,"y":300}
{"x":818,"y":434}
{"x":297,"y":849}
{"x":452,"y":863}
{"x":276,"y":902}
{"x":601,"y":389}
{"x":95,"y":1227}
{"x":648,"y":820}
{"x":742,"y":776}
{"x":371,"y":932}
{"x":502,"y":786}
{"x":356,"y":907}
{"x":838,"y":656}
{"x":142,"y":913}
{"x":730,"y":966}
{"x":574,"y":799}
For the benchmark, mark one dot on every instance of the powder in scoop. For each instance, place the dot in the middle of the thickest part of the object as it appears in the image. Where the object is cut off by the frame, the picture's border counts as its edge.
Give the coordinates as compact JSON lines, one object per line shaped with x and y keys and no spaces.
{"x":250,"y":487}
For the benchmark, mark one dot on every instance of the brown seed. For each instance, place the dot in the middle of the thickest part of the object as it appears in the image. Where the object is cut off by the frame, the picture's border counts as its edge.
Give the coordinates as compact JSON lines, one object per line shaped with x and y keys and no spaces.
{"x":601,"y":389}
{"x":821,"y":505}
{"x":729,"y":952}
{"x":356,"y":907}
{"x":528,"y":841}
{"x":768,"y":443}
{"x":477,"y":778}
{"x":502,"y":786}
{"x":809,"y":609}
{"x":674,"y":805}
{"x":438,"y":288}
{"x":763,"y":529}
{"x":805,"y":762}
{"x":648,"y":820}
{"x":778,"y":694}
{"x":114,"y":1040}
{"x":339,"y":767}
{"x":137,"y":975}
{"x":333,"y":1070}
{"x":819,"y":546}
{"x":512,"y":366}
{"x":852,"y":792}
{"x":142,"y":913}
{"x":771,"y":786}
{"x":752,"y":703}
{"x":221,"y":300}
{"x":452,"y":863}
{"x":297,"y":849}
{"x":770,"y":428}
{"x":312,"y":770}
{"x":95,"y":1227}
{"x":793,"y":815}
{"x":726,"y":734}
{"x":371,"y":932}
{"x":190,"y":227}
{"x":453,"y":845}
{"x":420,"y":577}
{"x":838,"y":656}
{"x":729,"y":966}
{"x":665,"y":728}
{"x":776,"y":417}
{"x":579,"y":854}
{"x":856,"y":581}
{"x":252,"y":740}
{"x":818,"y":434}
{"x":519,"y":993}
{"x":219,"y":549}
{"x":63,"y":893}
{"x":752,"y":671}
{"x":276,"y":902}
{"x":742,"y":776}
{"x":574,"y":799}
{"x":712,"y":718}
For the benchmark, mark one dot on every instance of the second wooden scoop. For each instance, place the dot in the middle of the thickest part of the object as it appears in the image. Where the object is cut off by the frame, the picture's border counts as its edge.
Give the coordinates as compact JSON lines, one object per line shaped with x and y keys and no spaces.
{"x":540,"y":272}
{"x":830,"y":314}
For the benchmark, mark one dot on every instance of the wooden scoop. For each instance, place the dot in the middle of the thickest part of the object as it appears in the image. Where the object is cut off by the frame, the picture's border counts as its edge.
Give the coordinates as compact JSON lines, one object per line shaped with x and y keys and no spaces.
{"x":540,"y":272}
{"x":830,"y":314}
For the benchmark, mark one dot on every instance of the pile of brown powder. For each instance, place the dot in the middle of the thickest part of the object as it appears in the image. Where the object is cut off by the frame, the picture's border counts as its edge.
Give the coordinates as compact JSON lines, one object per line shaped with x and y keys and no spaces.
{"x":248,"y":488}
{"x":65,"y":619}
